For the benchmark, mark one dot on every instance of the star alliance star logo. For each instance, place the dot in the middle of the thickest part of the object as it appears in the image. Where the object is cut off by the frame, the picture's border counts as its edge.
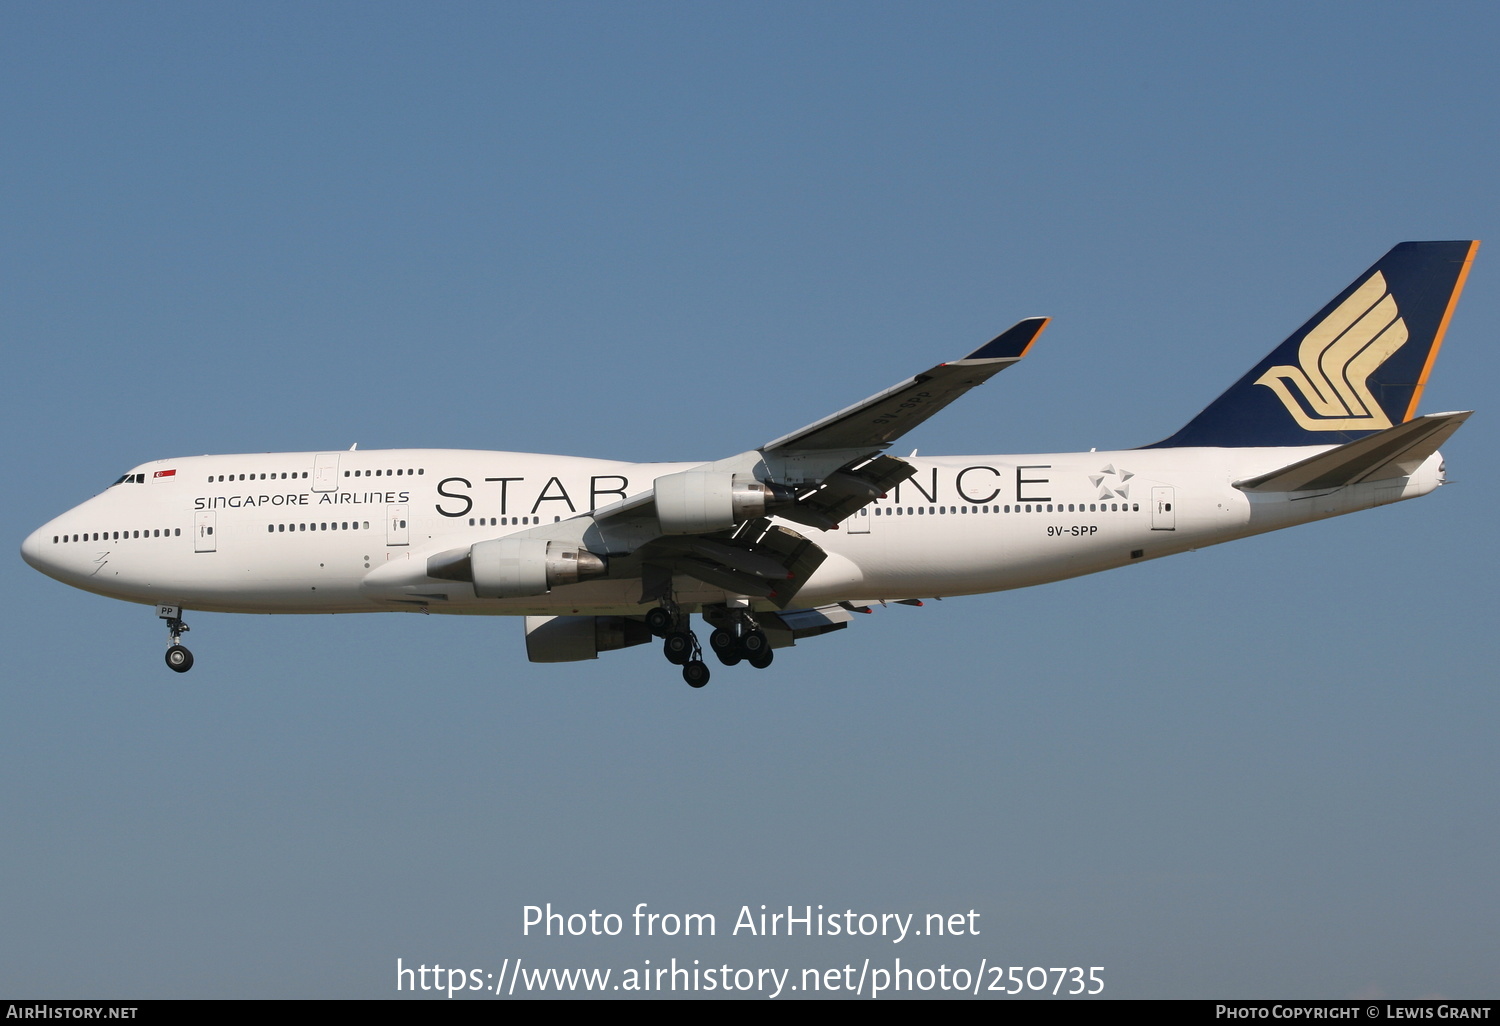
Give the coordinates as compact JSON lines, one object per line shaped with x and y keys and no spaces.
{"x":1111,"y":482}
{"x":1337,"y":358}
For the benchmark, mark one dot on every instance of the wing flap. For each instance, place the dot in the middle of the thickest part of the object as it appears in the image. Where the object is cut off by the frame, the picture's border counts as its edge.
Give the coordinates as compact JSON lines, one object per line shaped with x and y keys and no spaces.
{"x":759,"y":559}
{"x":799,"y":555}
{"x":845,"y":492}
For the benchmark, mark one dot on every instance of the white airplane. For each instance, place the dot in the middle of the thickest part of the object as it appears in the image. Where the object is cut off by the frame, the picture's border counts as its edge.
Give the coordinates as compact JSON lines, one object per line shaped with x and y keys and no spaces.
{"x":787,"y":540}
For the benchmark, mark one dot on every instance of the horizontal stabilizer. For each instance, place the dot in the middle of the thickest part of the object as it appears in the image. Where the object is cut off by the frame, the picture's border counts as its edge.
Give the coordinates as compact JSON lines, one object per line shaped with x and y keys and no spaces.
{"x":1395,"y":452}
{"x":881,"y":419}
{"x":805,"y":623}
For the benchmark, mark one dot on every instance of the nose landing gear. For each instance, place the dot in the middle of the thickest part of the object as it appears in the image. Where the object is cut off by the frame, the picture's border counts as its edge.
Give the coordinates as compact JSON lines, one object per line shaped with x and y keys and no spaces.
{"x":178,"y":657}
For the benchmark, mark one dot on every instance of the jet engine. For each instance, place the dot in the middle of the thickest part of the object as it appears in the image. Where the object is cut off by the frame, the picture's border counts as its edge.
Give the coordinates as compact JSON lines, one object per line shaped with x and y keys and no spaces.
{"x":703,"y":501}
{"x":517,"y":567}
{"x":564,"y":639}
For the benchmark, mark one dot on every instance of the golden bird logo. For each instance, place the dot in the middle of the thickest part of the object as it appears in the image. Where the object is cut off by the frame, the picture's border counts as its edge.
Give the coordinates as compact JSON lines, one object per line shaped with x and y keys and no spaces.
{"x":1337,"y":358}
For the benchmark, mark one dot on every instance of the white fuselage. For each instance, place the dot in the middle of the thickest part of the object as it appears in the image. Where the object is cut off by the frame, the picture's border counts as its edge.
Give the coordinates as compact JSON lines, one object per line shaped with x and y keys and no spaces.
{"x":352,"y":531}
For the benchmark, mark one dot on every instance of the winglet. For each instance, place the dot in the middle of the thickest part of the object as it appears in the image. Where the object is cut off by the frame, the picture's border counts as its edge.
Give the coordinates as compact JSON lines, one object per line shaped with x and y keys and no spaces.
{"x":1011,"y":344}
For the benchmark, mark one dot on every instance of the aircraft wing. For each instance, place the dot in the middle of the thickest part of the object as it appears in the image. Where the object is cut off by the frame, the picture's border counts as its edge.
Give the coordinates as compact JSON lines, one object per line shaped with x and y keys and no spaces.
{"x":833,"y":467}
{"x":714,"y":522}
{"x":878,"y":421}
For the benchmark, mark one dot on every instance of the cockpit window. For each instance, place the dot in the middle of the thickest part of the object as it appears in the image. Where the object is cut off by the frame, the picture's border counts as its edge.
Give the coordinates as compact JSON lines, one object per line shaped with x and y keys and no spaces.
{"x":131,"y":479}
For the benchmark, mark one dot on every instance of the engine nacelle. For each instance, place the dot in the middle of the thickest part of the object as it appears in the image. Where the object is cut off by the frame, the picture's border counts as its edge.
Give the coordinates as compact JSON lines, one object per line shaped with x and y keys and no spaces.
{"x":519,"y":567}
{"x":702,"y":501}
{"x":564,"y":639}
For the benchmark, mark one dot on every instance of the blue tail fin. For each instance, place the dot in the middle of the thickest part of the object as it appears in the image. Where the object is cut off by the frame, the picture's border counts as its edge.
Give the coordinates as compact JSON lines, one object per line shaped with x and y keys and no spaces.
{"x":1357,"y":367}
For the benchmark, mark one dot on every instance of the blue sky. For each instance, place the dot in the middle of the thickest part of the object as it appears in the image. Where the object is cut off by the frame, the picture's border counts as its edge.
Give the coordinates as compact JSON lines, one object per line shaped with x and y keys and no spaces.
{"x":674,"y":231}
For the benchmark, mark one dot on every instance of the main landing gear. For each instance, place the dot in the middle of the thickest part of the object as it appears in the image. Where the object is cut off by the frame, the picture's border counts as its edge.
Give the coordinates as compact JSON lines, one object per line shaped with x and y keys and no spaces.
{"x":178,"y":657}
{"x":679,"y":644}
{"x":740,"y":639}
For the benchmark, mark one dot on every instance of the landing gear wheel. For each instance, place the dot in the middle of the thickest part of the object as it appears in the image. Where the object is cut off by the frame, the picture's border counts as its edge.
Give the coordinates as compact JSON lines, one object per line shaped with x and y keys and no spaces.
{"x":695,"y":673}
{"x":761,"y":661}
{"x":660,"y":621}
{"x":179,"y":659}
{"x":726,"y":646}
{"x":678,"y":647}
{"x":753,"y":644}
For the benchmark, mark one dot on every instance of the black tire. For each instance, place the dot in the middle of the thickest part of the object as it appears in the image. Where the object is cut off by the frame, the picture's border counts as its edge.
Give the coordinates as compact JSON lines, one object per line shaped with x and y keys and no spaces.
{"x":761,"y":661}
{"x":726,"y":646}
{"x":179,"y":659}
{"x":659,"y":621}
{"x":754,"y":643}
{"x":677,"y":647}
{"x":695,"y":673}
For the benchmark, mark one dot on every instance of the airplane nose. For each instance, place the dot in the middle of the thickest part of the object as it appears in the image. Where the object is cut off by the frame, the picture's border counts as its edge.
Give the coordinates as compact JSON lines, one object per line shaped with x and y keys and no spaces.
{"x":35,"y":547}
{"x":31,"y":547}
